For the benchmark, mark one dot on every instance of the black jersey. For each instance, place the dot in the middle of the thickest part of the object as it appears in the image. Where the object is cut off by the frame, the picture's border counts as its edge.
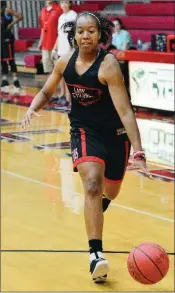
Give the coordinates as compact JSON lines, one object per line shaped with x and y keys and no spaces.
{"x":92,"y":104}
{"x":6,"y":19}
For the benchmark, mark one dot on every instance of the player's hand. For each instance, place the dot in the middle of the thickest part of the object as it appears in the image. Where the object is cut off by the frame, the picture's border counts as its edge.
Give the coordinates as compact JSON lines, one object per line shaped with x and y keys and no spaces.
{"x":28,"y":117}
{"x":139,"y":163}
{"x":10,"y":26}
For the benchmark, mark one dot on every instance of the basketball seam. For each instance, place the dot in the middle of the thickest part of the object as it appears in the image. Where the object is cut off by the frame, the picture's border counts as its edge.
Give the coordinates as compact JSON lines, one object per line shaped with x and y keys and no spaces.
{"x":151,"y":260}
{"x":154,"y":245}
{"x":139,"y":269}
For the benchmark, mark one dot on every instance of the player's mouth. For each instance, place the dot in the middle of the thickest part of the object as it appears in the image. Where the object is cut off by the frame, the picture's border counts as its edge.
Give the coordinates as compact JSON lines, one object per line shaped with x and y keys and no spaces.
{"x":86,"y":44}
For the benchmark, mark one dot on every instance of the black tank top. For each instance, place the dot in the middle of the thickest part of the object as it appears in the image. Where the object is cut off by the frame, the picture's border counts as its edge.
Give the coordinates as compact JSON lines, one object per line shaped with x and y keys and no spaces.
{"x":6,"y":19}
{"x":92,"y":106}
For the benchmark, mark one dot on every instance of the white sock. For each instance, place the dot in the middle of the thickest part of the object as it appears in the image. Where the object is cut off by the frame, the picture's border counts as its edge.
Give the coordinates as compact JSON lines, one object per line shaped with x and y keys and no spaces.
{"x":4,"y":77}
{"x":93,"y":255}
{"x":15,"y":78}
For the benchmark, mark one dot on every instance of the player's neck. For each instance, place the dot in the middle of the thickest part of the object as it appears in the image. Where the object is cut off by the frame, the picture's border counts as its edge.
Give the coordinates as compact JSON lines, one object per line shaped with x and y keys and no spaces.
{"x":86,"y":57}
{"x":66,"y":11}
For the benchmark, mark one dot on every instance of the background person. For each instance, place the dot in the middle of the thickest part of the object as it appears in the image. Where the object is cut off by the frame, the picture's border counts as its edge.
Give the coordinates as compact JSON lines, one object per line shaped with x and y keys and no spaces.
{"x":48,"y":22}
{"x":121,"y":38}
{"x":7,"y":47}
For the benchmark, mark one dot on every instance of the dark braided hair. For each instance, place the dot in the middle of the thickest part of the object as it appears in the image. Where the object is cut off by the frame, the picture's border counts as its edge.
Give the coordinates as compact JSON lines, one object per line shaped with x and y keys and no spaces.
{"x":105,"y":26}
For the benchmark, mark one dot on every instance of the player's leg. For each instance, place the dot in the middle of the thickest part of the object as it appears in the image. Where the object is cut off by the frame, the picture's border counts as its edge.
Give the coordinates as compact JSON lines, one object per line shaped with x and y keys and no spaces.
{"x":13,"y":67}
{"x":116,"y":164}
{"x":87,"y":160}
{"x":47,"y":61}
{"x":48,"y":65}
{"x":4,"y":82}
{"x":92,"y":175}
{"x":111,"y":190}
{"x":5,"y":87}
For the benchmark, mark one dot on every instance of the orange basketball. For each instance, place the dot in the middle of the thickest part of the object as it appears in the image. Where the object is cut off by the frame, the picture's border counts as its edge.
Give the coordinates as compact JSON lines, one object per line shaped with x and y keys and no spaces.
{"x":148,"y":263}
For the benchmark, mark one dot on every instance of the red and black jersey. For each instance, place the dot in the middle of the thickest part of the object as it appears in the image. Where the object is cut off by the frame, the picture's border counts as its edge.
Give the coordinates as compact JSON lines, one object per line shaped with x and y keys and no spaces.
{"x":92,"y":104}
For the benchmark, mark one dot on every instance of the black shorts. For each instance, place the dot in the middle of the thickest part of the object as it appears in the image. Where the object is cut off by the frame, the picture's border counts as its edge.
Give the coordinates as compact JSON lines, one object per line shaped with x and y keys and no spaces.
{"x":111,"y":150}
{"x":7,"y":50}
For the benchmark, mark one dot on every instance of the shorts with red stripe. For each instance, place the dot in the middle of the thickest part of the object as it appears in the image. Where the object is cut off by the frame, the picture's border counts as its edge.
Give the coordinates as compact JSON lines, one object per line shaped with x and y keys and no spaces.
{"x":110,"y":149}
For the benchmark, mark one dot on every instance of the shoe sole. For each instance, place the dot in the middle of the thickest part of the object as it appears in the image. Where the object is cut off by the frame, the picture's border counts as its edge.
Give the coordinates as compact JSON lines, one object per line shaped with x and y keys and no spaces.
{"x":100,"y":273}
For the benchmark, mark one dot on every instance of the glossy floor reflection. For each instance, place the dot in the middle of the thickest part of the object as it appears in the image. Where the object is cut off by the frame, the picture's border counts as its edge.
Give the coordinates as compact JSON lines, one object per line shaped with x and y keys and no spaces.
{"x":42,"y":211}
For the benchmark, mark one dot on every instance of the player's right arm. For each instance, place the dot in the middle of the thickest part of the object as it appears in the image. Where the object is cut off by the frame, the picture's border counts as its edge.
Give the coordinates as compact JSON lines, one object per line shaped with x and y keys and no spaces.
{"x":43,"y":97}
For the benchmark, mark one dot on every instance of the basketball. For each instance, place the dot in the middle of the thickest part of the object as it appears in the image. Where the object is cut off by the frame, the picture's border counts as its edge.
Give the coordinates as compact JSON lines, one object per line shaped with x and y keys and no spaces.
{"x":148,"y":263}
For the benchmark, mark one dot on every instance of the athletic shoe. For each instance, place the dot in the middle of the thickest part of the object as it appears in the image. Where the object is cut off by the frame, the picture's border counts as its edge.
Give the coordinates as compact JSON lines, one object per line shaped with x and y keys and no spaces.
{"x":17,"y":87}
{"x":5,"y":87}
{"x":54,"y":99}
{"x":99,"y":268}
{"x":63,"y":102}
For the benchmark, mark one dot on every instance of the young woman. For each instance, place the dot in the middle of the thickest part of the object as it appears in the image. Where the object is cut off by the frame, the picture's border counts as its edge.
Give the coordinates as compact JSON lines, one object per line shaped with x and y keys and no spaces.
{"x":7,"y":47}
{"x":121,"y":39}
{"x":102,"y":124}
{"x":49,"y":17}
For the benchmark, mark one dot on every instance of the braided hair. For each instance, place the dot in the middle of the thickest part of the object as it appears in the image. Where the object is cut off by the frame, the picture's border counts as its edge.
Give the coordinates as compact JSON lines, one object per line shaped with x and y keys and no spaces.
{"x":105,"y":26}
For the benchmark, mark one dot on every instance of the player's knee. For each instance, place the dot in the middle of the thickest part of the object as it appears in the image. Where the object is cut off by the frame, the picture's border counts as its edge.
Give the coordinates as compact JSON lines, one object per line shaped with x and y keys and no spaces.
{"x":94,"y":186}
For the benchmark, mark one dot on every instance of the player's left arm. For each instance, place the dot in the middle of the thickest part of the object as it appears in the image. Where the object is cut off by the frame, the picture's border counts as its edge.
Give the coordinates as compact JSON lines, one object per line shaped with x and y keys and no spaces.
{"x":115,"y":81}
{"x":18,"y":16}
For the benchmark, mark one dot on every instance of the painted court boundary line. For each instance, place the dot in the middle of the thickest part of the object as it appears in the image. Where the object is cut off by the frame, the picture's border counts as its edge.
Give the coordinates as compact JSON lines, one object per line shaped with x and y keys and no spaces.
{"x":68,"y":251}
{"x":73,"y":192}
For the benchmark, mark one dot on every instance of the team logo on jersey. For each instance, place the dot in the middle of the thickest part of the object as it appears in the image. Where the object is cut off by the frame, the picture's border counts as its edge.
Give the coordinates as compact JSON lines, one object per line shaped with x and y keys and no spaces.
{"x":84,"y":95}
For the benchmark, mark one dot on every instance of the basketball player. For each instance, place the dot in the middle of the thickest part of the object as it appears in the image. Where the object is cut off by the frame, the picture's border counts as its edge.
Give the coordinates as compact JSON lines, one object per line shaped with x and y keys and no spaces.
{"x":7,"y":47}
{"x":102,"y":124}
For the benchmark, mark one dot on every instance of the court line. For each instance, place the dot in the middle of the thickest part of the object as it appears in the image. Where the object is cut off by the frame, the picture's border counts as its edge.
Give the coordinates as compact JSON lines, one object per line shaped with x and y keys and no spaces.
{"x":60,"y":251}
{"x":67,"y":251}
{"x":143,"y":213}
{"x":77,"y":193}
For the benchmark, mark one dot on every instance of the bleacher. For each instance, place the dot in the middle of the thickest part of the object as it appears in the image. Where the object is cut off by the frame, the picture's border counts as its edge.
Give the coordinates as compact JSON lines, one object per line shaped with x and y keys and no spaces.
{"x":141,"y":19}
{"x":144,"y":20}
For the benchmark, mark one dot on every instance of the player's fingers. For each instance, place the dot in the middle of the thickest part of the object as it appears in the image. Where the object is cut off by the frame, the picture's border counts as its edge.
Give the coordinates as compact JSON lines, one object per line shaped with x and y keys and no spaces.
{"x":147,"y":172}
{"x":23,"y":125}
{"x":37,"y":115}
{"x":28,"y":120}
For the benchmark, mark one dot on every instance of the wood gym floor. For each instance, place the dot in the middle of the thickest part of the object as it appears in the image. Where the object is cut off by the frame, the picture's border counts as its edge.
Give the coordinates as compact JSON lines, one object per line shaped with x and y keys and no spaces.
{"x":43,"y":239}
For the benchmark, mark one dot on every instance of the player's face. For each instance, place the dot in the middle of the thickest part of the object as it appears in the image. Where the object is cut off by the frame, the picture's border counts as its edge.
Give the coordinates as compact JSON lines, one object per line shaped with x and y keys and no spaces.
{"x":65,"y":5}
{"x":87,"y":34}
{"x":49,"y":2}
